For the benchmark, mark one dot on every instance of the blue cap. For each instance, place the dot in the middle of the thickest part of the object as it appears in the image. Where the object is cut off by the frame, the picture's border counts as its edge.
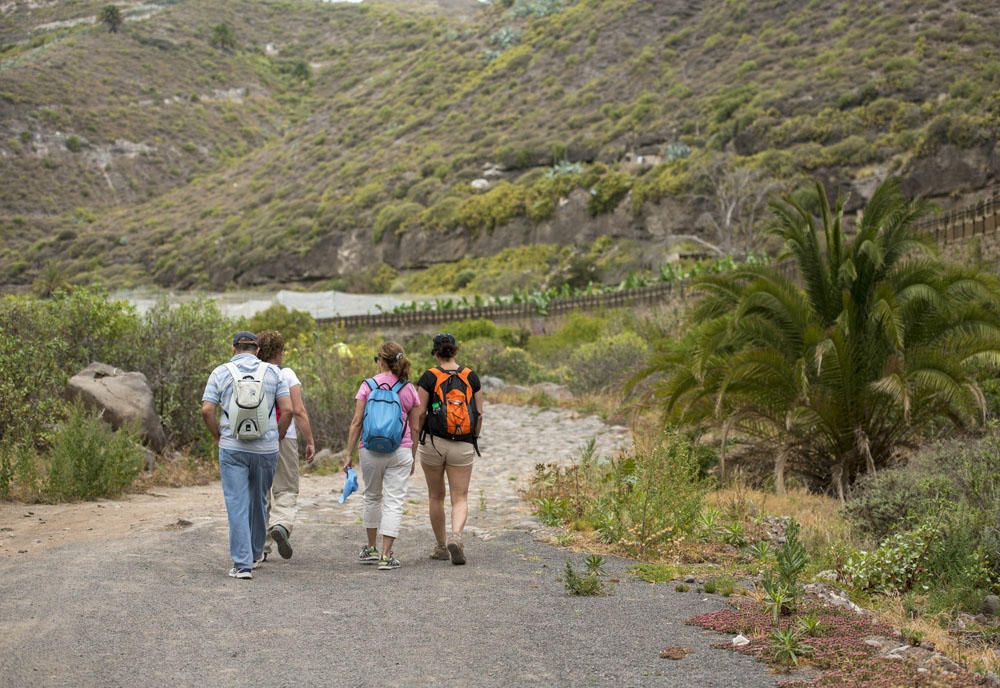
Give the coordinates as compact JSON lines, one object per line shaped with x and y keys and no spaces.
{"x":244,"y":338}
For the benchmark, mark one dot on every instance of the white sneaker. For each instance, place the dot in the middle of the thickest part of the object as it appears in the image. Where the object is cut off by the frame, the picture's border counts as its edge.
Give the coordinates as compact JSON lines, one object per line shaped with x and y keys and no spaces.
{"x":244,"y":574}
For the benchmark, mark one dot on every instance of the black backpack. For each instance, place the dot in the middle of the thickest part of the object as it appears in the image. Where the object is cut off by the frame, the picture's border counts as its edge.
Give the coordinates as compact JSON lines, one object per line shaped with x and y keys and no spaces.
{"x":451,"y":411}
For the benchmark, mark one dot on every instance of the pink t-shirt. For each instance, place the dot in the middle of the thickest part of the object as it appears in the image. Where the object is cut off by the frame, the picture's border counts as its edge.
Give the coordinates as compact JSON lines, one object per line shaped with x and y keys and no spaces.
{"x":408,"y":399}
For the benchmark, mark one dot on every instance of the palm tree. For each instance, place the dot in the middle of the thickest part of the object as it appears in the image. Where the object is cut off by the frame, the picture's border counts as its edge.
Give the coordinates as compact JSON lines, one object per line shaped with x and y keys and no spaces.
{"x":836,"y":375}
{"x":112,"y":17}
{"x":223,"y":37}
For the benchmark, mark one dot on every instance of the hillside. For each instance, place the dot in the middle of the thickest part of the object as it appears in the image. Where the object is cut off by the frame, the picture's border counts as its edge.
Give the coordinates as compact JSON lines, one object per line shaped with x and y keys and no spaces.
{"x":338,"y":137}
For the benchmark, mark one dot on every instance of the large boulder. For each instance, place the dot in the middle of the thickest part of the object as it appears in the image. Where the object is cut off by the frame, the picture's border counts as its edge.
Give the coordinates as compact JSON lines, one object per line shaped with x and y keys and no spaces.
{"x":124,"y":398}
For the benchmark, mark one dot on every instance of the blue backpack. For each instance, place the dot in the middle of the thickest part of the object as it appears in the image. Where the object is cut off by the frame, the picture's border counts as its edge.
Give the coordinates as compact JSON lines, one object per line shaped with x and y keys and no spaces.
{"x":382,"y":431}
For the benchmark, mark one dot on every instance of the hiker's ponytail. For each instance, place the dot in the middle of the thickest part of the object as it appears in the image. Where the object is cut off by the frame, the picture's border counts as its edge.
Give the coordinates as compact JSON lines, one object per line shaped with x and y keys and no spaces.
{"x":395,"y":359}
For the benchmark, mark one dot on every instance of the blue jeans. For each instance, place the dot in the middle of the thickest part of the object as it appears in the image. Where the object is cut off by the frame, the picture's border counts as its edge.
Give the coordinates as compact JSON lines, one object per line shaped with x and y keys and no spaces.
{"x":246,"y":481}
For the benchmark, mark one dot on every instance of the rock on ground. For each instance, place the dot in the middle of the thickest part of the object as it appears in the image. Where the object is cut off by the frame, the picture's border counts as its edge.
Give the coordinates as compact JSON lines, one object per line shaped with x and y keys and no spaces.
{"x":125,"y":399}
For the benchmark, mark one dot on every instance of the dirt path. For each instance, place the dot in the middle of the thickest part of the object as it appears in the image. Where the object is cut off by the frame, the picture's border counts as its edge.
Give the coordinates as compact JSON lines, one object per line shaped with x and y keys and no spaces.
{"x":116,"y":594}
{"x":514,"y":441}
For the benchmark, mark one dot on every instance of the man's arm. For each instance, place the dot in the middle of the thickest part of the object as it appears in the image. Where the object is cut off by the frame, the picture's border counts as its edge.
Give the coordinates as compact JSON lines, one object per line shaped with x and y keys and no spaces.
{"x":208,"y":415}
{"x":302,"y":421}
{"x":285,"y":404}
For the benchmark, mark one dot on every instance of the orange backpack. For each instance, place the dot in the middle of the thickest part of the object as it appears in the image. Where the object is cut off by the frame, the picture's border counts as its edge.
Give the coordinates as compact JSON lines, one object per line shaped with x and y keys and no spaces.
{"x":452,"y":411}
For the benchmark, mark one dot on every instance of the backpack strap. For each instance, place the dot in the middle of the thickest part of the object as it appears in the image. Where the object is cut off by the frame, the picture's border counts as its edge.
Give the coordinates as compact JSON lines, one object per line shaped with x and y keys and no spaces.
{"x":262,"y":367}
{"x":463,"y":375}
{"x":372,"y":385}
{"x":257,"y":375}
{"x":441,"y":376}
{"x":234,"y":371}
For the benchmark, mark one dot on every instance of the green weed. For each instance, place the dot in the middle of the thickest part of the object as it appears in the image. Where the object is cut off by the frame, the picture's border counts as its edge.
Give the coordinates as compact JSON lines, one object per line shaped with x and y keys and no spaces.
{"x":581,"y":584}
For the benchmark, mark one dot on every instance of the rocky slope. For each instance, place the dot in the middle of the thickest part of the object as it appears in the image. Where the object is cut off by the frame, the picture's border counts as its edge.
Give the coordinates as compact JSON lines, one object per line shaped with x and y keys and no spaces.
{"x":335,"y":136}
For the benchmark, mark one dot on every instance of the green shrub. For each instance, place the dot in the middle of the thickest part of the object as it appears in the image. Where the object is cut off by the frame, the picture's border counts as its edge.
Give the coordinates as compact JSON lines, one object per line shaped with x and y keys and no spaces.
{"x":810,"y":625}
{"x":467,"y":330}
{"x":45,"y":341}
{"x":576,"y":329}
{"x":553,"y":511}
{"x":331,"y":372}
{"x":790,"y":560}
{"x":649,"y":496}
{"x":895,"y":500}
{"x":73,"y":144}
{"x":609,"y":192}
{"x":605,"y":364}
{"x":786,"y":647}
{"x":90,"y":460}
{"x":901,"y":562}
{"x":595,"y":564}
{"x":506,"y":37}
{"x":223,"y":37}
{"x":19,"y":476}
{"x":394,"y":217}
{"x":180,"y":346}
{"x":290,"y":323}
{"x":537,"y":8}
{"x":496,"y":207}
{"x":952,"y":487}
{"x":490,"y":357}
{"x":581,"y":584}
{"x":721,"y":585}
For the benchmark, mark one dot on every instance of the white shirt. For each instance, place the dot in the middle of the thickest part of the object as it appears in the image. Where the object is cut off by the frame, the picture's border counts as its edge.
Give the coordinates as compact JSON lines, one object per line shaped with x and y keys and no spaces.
{"x":289,"y":377}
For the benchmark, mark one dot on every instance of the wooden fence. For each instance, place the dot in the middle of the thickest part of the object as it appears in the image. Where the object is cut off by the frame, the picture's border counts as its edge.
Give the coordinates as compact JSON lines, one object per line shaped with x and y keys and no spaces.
{"x":977,"y":220}
{"x":645,"y":296}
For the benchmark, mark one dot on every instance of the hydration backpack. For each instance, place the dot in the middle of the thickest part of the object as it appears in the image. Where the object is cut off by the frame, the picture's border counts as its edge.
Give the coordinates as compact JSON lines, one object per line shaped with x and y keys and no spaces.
{"x":452,"y":413}
{"x":247,"y":412}
{"x":382,"y":431}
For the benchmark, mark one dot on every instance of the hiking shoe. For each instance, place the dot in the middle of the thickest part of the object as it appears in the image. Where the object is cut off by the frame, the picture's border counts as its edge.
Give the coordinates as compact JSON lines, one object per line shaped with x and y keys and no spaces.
{"x":388,"y":562}
{"x":280,"y":537}
{"x":457,"y":551}
{"x":245,"y":574}
{"x":369,"y":555}
{"x":256,"y":564}
{"x":440,"y":552}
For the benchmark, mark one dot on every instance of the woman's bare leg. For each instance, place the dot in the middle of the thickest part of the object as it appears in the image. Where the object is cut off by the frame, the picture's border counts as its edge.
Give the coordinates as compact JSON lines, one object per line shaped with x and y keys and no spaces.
{"x":458,"y":484}
{"x":435,"y":499}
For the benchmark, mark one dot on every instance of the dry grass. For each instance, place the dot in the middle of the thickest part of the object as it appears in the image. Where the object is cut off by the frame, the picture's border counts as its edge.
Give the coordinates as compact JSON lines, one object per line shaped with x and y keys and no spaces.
{"x":181,"y":471}
{"x":608,"y":407}
{"x":977,"y":656}
{"x":823,"y":526}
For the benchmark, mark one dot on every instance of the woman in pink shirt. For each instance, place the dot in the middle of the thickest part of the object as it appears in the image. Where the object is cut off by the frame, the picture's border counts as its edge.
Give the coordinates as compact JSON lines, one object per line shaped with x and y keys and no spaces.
{"x":385,"y":474}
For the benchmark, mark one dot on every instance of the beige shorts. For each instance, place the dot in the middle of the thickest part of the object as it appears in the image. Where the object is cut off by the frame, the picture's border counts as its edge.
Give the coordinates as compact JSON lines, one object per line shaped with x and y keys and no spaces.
{"x":437,"y":451}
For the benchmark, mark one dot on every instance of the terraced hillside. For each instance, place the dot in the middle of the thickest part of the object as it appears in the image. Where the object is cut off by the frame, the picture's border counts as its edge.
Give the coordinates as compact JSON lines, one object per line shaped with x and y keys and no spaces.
{"x":335,"y":137}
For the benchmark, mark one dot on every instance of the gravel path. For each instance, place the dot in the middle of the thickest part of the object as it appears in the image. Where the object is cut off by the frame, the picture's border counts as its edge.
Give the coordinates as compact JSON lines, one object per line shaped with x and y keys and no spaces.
{"x":139,"y":600}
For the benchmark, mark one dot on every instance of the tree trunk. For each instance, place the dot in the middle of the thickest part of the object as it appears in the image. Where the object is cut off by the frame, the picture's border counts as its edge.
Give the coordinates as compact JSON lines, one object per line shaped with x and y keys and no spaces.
{"x":779,"y":472}
{"x":837,"y":473}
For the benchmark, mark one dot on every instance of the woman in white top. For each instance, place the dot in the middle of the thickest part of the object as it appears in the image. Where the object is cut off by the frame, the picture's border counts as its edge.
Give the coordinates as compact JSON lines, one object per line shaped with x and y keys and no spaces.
{"x":283,"y":502}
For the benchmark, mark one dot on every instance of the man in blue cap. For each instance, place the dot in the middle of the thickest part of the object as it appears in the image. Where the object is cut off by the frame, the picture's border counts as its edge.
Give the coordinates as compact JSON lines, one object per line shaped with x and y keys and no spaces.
{"x":247,"y":390}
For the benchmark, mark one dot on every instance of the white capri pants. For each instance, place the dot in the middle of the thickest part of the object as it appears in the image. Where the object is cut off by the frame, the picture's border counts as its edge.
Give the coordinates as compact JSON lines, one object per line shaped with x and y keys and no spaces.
{"x":386,"y":477}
